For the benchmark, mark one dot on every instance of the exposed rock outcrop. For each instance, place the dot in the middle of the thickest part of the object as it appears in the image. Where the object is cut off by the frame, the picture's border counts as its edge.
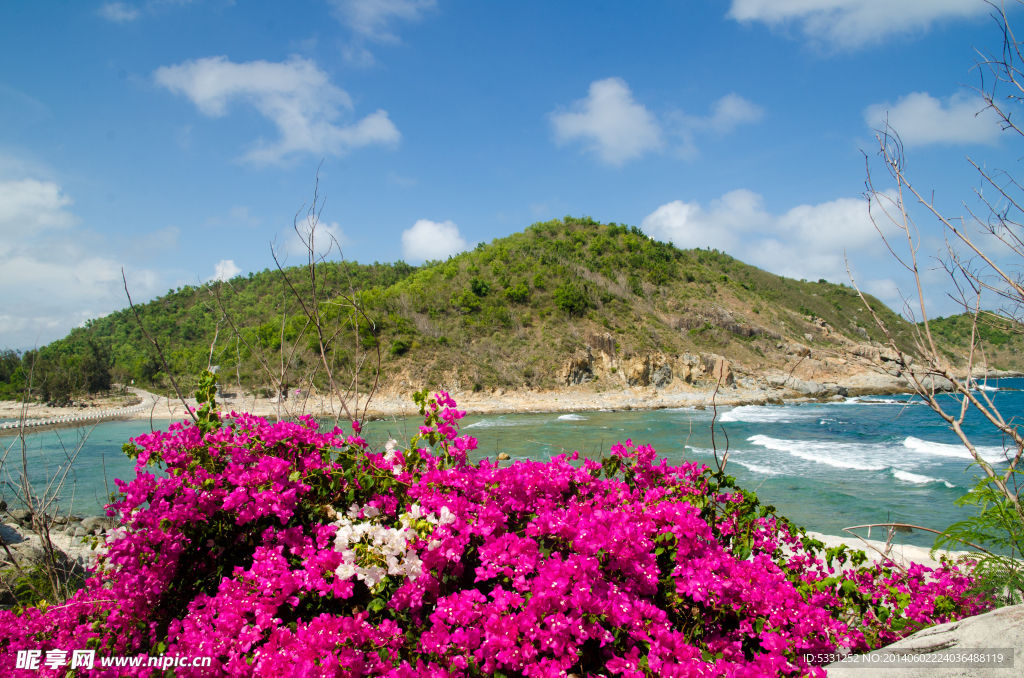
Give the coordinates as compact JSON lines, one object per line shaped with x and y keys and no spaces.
{"x":605,"y":343}
{"x":811,"y":389}
{"x":1002,"y":628}
{"x":637,"y":370}
{"x":798,"y":350}
{"x":719,"y":369}
{"x":662,"y":376}
{"x":578,"y":369}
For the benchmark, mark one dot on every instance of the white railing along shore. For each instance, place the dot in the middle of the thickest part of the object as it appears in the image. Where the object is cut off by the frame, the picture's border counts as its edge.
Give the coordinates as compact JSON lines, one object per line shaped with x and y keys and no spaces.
{"x":103,"y":414}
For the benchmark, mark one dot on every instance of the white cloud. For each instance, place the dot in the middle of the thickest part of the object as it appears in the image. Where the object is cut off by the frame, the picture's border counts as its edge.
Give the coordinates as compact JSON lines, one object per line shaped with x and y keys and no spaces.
{"x":295,"y":95}
{"x":118,"y":12}
{"x":730,"y":112}
{"x":432,"y":240}
{"x":225,"y":270}
{"x":29,"y":206}
{"x":853,"y":23}
{"x":371,"y":18}
{"x":616,"y":128}
{"x":609,"y":123}
{"x":55,"y":274}
{"x":727,"y":114}
{"x":805,"y":242}
{"x":922,"y":119}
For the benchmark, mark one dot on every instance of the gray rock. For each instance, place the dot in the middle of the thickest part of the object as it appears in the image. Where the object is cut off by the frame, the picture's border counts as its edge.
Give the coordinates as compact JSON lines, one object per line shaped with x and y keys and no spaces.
{"x":101,"y":523}
{"x":807,"y":388}
{"x":662,"y":376}
{"x":80,"y":532}
{"x":10,"y":535}
{"x":833,"y":391}
{"x":798,"y":350}
{"x":1002,"y":628}
{"x":27,"y":554}
{"x":22,"y":516}
{"x":937,"y":383}
{"x":578,"y":369}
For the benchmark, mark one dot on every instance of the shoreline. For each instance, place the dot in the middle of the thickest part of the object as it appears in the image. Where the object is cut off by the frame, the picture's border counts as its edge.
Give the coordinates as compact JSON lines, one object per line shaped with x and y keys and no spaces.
{"x":392,"y":406}
{"x":43,"y":418}
{"x":394,"y":403}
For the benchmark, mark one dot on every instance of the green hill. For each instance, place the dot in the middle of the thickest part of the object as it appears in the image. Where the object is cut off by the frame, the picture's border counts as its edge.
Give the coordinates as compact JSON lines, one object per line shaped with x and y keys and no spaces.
{"x":507,"y":314}
{"x":1002,"y":340}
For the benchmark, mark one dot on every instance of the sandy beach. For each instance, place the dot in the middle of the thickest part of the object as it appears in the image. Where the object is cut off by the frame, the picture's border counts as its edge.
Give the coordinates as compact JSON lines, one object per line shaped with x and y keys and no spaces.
{"x":398,"y":405}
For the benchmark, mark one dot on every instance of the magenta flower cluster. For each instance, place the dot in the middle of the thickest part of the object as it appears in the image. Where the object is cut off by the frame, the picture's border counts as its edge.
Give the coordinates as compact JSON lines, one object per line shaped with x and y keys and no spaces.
{"x":280,"y":550}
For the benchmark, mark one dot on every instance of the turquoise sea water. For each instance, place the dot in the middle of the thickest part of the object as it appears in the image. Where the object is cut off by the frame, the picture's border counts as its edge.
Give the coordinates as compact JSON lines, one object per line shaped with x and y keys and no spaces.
{"x":825,"y":466}
{"x":91,"y":477}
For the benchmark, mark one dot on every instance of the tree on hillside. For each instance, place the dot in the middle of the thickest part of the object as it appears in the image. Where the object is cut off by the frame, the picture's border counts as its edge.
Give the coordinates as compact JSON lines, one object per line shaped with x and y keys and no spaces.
{"x":984,"y":257}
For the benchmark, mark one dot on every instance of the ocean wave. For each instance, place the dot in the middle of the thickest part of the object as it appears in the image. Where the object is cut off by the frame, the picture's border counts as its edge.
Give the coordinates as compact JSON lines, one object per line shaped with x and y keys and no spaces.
{"x":874,"y":400}
{"x":492,"y":423}
{"x":572,"y":417}
{"x":768,"y":471}
{"x":906,"y":476}
{"x":838,"y":455}
{"x":764,"y":414}
{"x":991,"y":454}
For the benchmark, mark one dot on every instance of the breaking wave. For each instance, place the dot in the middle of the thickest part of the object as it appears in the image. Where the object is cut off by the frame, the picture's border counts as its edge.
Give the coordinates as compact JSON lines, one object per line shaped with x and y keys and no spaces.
{"x":909,"y":477}
{"x":991,"y":454}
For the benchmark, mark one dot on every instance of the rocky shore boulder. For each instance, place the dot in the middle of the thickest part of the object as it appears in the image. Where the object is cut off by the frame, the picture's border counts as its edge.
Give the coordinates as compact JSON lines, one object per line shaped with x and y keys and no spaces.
{"x":810,"y":389}
{"x":937,"y":383}
{"x":1002,"y":628}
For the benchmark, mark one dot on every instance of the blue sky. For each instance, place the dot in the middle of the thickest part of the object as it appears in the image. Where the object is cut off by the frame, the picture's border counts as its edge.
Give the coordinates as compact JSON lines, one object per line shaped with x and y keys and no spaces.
{"x":177,"y":139}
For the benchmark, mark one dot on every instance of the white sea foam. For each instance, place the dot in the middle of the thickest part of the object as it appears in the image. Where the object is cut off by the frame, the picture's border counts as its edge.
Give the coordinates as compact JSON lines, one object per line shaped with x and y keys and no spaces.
{"x":985,"y":387}
{"x":572,"y":417}
{"x":872,"y":400}
{"x":839,"y":455}
{"x":764,"y":414}
{"x":906,"y":476}
{"x":492,"y":423}
{"x":991,"y":454}
{"x":754,"y":467}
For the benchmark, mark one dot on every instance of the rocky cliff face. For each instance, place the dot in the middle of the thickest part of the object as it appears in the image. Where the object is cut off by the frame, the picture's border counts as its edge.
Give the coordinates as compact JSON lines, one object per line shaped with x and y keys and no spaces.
{"x":832,"y":365}
{"x":598,"y":361}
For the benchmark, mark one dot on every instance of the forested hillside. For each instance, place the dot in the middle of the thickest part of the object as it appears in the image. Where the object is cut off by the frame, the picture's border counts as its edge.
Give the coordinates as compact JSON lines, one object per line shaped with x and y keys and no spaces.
{"x":506,"y":314}
{"x":1003,"y":341}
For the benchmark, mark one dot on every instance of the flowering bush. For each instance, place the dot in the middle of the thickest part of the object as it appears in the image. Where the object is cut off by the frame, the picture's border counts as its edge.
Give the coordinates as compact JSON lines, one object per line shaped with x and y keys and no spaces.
{"x":280,"y":550}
